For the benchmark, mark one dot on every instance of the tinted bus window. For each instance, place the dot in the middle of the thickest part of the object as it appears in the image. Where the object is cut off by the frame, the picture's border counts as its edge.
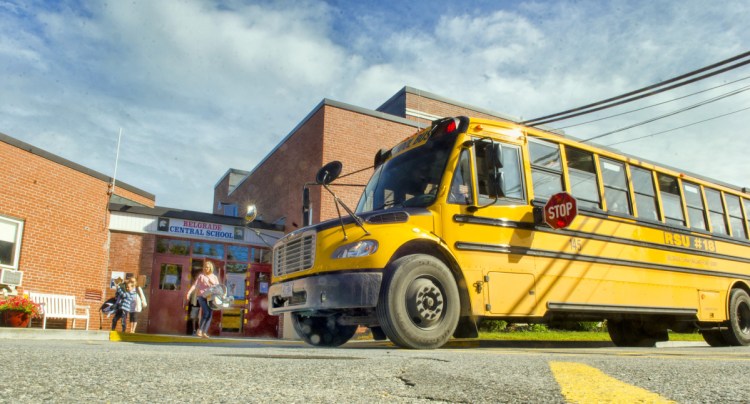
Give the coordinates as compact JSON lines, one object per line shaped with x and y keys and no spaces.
{"x":645,"y":195}
{"x":716,"y":212}
{"x":546,"y":169}
{"x":694,"y":201}
{"x":735,"y":216}
{"x":670,"y":200}
{"x":615,"y":187}
{"x":582,"y":172}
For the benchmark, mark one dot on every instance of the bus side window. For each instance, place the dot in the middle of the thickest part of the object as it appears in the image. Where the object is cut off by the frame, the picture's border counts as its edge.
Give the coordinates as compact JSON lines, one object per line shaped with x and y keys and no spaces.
{"x":615,"y":186}
{"x":645,"y":194}
{"x":669,"y":191}
{"x":716,"y":212}
{"x":461,"y":192}
{"x":747,"y":214}
{"x":546,"y":169}
{"x":582,"y":173}
{"x":735,"y":216}
{"x":694,"y":201}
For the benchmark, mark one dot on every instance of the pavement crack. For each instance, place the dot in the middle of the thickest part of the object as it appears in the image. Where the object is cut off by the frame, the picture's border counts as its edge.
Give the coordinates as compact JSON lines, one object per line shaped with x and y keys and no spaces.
{"x":407,"y":381}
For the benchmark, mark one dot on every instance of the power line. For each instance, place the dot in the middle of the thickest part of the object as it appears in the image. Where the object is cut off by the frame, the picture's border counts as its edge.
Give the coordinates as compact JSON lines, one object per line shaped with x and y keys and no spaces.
{"x":653,"y":105}
{"x":710,"y":100}
{"x":680,"y":127}
{"x":631,"y":96}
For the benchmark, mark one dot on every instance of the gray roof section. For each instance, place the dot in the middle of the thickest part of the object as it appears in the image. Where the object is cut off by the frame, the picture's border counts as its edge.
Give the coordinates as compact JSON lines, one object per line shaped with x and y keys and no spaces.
{"x":75,"y":166}
{"x":161,"y":211}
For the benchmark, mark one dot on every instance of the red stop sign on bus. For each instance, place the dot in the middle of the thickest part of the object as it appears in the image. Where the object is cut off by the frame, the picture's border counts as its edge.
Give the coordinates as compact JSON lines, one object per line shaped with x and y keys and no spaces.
{"x":560,"y":210}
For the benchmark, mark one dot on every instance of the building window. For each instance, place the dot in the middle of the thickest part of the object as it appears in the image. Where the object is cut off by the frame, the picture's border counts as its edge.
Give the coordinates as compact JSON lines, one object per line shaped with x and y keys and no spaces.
{"x":230,"y":210}
{"x":170,"y":277}
{"x":171,"y":246}
{"x":694,"y":201}
{"x":210,"y":250}
{"x":645,"y":195}
{"x":261,"y":255}
{"x":546,"y":169}
{"x":671,"y":200}
{"x":615,"y":187}
{"x":11,"y":232}
{"x":735,"y":216}
{"x":582,"y":172}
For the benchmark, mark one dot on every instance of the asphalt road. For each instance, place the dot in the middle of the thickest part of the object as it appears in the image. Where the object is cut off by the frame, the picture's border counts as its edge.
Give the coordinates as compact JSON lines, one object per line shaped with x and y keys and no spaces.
{"x":364,"y":372}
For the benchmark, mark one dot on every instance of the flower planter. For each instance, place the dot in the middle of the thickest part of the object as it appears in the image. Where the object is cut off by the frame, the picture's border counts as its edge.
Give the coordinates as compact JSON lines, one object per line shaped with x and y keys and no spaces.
{"x":15,"y":318}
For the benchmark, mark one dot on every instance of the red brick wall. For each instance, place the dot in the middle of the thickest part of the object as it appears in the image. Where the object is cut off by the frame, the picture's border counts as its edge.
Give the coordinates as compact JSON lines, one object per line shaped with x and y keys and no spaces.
{"x":331,"y":133}
{"x":354,"y":138}
{"x":132,"y":253}
{"x":64,"y":244}
{"x":275,"y":187}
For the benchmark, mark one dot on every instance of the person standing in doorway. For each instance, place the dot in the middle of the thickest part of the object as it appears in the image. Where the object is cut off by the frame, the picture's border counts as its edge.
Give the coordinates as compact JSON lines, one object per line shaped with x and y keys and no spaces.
{"x":138,"y":306}
{"x":204,"y":281}
{"x":125,"y":300}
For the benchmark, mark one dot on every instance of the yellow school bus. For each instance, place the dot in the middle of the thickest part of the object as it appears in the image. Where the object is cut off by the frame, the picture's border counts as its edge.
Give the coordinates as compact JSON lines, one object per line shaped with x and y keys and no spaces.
{"x":452,"y":228}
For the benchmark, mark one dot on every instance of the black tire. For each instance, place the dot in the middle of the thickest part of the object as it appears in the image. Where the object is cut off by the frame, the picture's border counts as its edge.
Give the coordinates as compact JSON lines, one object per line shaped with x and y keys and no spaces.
{"x":633,"y":333}
{"x":714,"y":338}
{"x":419,"y":305}
{"x":322,"y":331}
{"x":738,"y":331}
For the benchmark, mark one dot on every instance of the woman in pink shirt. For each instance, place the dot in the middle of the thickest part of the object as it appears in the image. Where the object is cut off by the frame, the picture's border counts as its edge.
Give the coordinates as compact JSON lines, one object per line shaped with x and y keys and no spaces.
{"x":203,"y":282}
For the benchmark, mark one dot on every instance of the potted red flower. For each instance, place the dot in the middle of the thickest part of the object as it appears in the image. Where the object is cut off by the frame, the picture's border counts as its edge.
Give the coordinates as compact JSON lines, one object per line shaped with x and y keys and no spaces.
{"x":17,"y":311}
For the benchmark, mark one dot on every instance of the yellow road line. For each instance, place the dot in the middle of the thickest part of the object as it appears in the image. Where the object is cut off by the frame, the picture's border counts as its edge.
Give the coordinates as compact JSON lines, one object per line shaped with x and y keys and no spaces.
{"x":584,"y":384}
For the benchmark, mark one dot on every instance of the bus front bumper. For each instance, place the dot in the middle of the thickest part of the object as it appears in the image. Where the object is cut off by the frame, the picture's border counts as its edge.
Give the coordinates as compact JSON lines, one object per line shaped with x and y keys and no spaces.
{"x":325,"y":292}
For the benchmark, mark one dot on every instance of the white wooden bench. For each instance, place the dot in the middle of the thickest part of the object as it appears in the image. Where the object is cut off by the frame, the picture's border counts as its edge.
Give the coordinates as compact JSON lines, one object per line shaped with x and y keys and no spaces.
{"x":60,"y":306}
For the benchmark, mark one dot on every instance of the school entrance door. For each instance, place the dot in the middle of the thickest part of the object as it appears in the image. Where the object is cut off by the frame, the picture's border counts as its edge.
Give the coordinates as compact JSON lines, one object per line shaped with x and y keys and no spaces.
{"x":170,"y":282}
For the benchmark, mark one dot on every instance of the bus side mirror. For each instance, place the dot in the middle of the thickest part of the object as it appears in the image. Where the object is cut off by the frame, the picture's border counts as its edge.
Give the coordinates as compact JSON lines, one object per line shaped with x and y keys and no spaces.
{"x":328,"y":173}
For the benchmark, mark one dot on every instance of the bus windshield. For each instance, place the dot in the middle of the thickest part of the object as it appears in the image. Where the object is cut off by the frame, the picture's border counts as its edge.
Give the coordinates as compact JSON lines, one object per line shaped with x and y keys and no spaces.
{"x":409,"y":179}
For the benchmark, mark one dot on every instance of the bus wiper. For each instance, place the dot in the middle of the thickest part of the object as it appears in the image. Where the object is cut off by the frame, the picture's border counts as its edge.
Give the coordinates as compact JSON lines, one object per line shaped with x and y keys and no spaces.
{"x":325,"y":176}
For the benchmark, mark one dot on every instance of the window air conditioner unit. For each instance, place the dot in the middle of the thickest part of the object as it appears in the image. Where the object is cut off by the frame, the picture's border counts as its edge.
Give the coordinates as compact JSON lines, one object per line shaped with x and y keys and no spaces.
{"x":11,"y":277}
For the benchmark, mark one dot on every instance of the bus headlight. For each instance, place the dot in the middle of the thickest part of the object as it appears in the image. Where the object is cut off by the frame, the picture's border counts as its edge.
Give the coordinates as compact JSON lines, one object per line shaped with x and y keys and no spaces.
{"x":358,"y":249}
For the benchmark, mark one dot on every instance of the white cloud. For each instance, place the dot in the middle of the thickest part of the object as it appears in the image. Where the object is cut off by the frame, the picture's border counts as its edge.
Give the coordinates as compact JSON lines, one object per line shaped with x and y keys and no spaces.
{"x":200,"y":88}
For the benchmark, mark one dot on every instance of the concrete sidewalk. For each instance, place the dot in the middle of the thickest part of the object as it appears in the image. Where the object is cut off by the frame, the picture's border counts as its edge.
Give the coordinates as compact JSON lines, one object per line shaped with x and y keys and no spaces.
{"x":116,"y":336}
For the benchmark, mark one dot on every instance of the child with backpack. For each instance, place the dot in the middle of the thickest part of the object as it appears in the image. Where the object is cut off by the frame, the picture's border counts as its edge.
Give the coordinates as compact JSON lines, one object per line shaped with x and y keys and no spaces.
{"x":125,"y":300}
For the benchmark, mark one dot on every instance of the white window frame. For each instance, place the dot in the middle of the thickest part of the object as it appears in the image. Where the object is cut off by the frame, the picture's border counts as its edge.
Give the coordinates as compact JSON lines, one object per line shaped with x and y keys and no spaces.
{"x":17,"y":243}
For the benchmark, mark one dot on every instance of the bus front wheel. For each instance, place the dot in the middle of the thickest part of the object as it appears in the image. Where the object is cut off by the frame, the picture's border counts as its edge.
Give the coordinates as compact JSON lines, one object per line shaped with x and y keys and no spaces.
{"x":322,"y":331}
{"x":419,"y":303}
{"x":738,"y":331}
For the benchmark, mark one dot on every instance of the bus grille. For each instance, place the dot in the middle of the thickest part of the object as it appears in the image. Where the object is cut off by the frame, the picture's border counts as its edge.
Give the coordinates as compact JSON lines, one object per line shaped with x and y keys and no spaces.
{"x":295,"y":254}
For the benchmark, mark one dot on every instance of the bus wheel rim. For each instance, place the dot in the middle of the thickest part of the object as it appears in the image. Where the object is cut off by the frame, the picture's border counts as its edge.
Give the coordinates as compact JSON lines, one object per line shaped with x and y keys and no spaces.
{"x":425,"y":302}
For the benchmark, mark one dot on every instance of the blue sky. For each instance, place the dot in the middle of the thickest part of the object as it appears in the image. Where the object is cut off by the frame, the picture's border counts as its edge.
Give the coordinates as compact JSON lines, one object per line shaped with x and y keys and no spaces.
{"x":199,"y":87}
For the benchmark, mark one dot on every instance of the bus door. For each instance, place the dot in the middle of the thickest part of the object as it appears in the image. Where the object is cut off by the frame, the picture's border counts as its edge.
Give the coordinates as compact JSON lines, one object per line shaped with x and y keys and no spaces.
{"x":170,"y":281}
{"x":489,"y":230}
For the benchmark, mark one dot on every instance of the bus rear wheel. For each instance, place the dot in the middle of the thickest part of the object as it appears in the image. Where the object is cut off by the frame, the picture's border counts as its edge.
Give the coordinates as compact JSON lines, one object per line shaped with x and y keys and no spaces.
{"x":635,"y":333}
{"x":322,"y":331}
{"x":419,"y":303}
{"x":738,"y":331}
{"x":714,"y":338}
